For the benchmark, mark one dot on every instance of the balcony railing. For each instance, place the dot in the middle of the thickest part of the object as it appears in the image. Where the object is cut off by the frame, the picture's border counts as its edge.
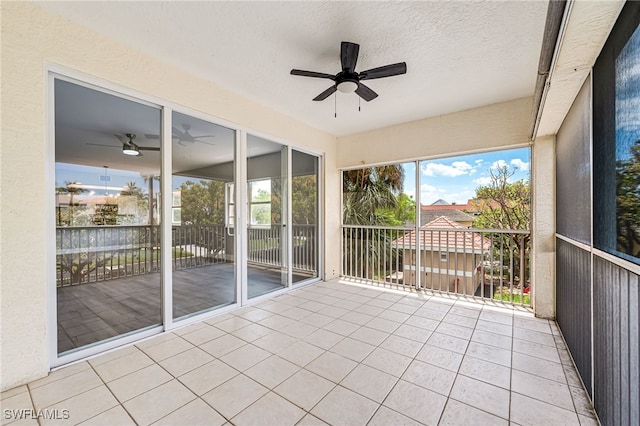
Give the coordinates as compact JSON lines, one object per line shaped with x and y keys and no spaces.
{"x":478,"y":263}
{"x":100,"y":253}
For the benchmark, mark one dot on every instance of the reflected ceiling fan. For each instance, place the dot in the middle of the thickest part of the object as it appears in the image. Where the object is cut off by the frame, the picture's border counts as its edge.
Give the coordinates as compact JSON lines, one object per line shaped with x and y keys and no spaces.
{"x":128,"y":146}
{"x":348,"y":80}
{"x":185,"y":136}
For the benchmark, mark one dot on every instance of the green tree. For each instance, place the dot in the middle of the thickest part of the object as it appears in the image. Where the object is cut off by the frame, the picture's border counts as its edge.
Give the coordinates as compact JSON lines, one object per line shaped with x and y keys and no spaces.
{"x":368,"y":190}
{"x":202,"y":202}
{"x":506,"y":205}
{"x":305,"y":200}
{"x":628,"y":202}
{"x":404,"y":212}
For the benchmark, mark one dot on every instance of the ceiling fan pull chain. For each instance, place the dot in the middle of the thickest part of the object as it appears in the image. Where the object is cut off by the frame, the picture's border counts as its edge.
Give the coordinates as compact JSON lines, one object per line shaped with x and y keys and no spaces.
{"x":358,"y":103}
{"x":335,"y":105}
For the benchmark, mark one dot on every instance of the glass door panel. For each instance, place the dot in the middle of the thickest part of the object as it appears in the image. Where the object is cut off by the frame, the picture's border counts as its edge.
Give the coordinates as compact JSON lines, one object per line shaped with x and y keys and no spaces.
{"x":267,"y":235}
{"x":202,"y":240}
{"x":107,"y":218}
{"x":304,"y":215}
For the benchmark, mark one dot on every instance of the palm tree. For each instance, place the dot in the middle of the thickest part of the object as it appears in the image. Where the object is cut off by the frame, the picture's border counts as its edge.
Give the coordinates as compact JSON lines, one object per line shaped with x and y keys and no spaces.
{"x":366,"y":192}
{"x":72,"y":189}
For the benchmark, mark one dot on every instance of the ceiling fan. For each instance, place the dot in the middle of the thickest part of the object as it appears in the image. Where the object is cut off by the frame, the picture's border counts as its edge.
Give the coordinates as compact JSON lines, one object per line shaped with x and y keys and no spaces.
{"x":185,"y":136}
{"x":348,"y":80}
{"x":128,"y":146}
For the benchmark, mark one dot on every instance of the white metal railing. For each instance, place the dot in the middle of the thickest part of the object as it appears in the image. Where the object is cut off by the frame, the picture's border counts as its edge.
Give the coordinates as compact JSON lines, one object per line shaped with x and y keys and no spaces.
{"x":99,"y":253}
{"x":482,"y":263}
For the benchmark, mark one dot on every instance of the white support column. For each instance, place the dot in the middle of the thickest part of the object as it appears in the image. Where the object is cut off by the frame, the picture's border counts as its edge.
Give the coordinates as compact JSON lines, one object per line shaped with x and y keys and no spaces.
{"x":166,"y":202}
{"x":543,"y":227}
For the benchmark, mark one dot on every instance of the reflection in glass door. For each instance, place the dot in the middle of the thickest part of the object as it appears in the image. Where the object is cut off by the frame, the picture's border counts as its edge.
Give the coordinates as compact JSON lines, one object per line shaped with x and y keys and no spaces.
{"x":106,"y":213}
{"x":202,"y":241}
{"x":304,"y":215}
{"x":267,"y":235}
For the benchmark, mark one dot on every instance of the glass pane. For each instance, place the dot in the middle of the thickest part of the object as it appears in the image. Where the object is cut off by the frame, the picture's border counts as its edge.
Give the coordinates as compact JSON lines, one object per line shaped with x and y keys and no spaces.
{"x":107,"y":217}
{"x":488,"y":190}
{"x":202,"y":235}
{"x":304,"y":214}
{"x":267,"y":232}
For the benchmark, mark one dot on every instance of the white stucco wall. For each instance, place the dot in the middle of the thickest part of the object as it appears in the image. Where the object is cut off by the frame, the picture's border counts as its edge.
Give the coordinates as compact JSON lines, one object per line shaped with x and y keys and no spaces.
{"x":543,"y":227}
{"x":31,"y":38}
{"x":498,"y":126}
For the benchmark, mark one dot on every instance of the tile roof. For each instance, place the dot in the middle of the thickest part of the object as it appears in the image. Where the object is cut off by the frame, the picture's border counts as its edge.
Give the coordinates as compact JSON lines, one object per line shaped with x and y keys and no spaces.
{"x":459,"y":241}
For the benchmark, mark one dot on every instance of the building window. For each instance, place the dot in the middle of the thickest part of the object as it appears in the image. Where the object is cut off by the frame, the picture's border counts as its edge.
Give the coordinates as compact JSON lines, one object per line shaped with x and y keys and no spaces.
{"x":260,"y":202}
{"x":616,"y":122}
{"x":443,"y":257}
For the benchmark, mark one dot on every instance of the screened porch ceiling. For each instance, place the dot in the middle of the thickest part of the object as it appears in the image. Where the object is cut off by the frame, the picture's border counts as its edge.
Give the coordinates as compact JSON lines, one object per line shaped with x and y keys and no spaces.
{"x":459,"y":54}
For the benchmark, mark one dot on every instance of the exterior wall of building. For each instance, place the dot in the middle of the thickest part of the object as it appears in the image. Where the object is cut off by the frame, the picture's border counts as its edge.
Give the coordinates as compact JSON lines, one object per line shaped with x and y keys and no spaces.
{"x":32,"y":39}
{"x":499,"y":126}
{"x":462,"y":277}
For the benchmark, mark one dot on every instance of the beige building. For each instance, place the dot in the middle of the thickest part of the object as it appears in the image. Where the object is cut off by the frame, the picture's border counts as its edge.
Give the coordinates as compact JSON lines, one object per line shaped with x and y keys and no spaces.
{"x":450,"y":256}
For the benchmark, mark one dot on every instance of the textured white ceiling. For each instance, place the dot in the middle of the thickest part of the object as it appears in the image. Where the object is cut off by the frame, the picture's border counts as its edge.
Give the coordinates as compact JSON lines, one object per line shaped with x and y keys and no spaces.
{"x":459,"y":55}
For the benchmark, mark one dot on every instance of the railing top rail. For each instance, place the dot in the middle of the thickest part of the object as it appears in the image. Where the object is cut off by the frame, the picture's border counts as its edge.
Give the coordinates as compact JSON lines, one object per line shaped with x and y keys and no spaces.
{"x":477,"y":230}
{"x":400,"y":228}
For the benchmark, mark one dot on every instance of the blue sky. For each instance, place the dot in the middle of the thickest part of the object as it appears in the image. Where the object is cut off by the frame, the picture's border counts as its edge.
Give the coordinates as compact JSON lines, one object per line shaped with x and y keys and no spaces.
{"x":454,"y":179}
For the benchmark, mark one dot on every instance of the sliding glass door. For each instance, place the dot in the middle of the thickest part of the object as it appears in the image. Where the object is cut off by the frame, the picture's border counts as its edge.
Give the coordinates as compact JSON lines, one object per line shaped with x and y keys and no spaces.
{"x":202,"y":242}
{"x":304,"y":216}
{"x":107,"y":167}
{"x":267,"y":233}
{"x":158,"y":214}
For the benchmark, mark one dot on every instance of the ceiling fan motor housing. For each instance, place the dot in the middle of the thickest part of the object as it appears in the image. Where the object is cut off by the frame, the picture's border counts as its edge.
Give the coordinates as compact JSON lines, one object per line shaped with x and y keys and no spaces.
{"x":347,"y":82}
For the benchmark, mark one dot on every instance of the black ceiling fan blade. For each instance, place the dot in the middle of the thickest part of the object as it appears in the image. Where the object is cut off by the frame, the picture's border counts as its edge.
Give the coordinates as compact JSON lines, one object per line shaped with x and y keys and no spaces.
{"x":304,"y":73}
{"x":349,"y":55}
{"x":148,"y":148}
{"x":366,"y":93}
{"x":324,"y":95}
{"x":102,"y":144}
{"x":385,"y":71}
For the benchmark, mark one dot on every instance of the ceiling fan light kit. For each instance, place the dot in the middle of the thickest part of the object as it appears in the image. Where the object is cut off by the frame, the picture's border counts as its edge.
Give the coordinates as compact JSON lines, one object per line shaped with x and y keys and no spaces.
{"x":348,"y":80}
{"x":130,"y":150}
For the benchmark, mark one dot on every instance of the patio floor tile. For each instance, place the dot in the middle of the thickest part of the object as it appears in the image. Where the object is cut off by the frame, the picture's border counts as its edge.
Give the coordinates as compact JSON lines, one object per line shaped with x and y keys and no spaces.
{"x":344,"y":407}
{"x":136,"y":383}
{"x":271,"y":409}
{"x":196,"y":412}
{"x":235,"y":395}
{"x":157,"y":403}
{"x":369,"y":382}
{"x":420,"y":404}
{"x":207,"y":377}
{"x":457,"y":413}
{"x":329,"y":353}
{"x":271,"y":371}
{"x":305,"y":389}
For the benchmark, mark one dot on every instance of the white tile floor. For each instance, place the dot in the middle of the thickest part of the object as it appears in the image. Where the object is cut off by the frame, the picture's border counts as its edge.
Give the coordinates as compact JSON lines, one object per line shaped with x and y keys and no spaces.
{"x":329,"y":353}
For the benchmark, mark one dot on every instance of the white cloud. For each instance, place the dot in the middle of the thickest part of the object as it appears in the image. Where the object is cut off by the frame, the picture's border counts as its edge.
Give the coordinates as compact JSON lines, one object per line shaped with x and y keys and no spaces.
{"x":479,"y":161}
{"x":520,"y":165}
{"x":457,"y":168}
{"x":498,"y":164}
{"x":486,"y":180}
{"x":430,"y":194}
